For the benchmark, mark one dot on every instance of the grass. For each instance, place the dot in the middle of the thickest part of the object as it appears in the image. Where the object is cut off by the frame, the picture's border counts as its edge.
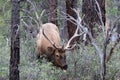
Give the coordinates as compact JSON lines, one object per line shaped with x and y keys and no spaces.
{"x":81,"y":65}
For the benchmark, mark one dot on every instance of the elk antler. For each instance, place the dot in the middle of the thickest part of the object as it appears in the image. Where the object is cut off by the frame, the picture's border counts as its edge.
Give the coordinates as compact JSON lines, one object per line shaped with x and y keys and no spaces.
{"x":75,"y":35}
{"x":53,"y":43}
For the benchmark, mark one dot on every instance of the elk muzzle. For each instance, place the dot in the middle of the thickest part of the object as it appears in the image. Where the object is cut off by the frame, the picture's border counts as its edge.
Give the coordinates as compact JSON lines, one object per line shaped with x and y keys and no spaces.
{"x":65,"y":67}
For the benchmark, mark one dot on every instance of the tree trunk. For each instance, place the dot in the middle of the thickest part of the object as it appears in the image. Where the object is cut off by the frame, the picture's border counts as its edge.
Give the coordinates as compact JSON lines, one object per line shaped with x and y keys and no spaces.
{"x":89,"y":12}
{"x":63,"y":23}
{"x":71,"y":26}
{"x":15,"y":41}
{"x":51,"y":11}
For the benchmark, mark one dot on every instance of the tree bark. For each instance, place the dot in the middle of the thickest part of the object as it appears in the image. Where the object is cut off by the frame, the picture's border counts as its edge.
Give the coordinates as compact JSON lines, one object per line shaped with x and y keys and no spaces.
{"x":51,"y":11}
{"x":15,"y":41}
{"x":71,"y":26}
{"x":90,"y":13}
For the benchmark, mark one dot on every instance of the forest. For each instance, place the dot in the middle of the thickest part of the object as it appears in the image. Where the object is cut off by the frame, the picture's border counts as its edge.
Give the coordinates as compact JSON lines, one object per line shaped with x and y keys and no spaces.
{"x":86,"y":33}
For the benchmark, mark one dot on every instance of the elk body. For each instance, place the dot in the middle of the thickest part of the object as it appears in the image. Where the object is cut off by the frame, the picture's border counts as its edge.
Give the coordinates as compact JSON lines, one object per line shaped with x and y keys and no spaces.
{"x":48,"y":43}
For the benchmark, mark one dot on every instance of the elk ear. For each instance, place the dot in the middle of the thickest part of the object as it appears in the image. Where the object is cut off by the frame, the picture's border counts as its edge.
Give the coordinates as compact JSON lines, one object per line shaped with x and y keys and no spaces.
{"x":50,"y":49}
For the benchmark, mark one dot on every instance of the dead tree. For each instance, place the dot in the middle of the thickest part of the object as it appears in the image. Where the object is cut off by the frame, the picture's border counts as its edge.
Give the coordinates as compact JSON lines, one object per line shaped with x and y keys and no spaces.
{"x":93,"y":12}
{"x":15,"y":41}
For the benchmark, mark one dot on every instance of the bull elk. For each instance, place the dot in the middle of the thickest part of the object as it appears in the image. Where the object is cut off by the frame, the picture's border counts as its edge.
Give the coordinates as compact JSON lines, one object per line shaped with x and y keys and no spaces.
{"x":48,"y":40}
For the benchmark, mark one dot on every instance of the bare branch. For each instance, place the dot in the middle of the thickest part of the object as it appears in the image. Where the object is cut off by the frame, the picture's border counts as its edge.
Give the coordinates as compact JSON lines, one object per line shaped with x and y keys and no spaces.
{"x":112,"y":50}
{"x":36,"y":13}
{"x":100,"y":16}
{"x":115,"y":21}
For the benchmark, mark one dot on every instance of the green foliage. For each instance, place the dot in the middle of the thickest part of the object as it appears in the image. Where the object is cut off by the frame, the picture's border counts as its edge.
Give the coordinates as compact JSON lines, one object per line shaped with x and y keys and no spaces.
{"x":4,"y":39}
{"x":83,"y":64}
{"x":4,"y":58}
{"x":37,"y":71}
{"x":112,"y":11}
{"x":112,"y":8}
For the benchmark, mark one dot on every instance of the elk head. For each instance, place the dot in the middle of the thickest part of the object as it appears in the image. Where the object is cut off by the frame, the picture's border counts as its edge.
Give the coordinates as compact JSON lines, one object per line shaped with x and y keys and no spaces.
{"x":58,"y":56}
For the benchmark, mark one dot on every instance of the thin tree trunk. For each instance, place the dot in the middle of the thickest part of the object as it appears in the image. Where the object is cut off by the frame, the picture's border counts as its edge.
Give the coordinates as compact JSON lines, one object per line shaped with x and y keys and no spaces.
{"x":15,"y":41}
{"x":63,"y":23}
{"x":103,"y":64}
{"x":71,"y":26}
{"x":51,"y":11}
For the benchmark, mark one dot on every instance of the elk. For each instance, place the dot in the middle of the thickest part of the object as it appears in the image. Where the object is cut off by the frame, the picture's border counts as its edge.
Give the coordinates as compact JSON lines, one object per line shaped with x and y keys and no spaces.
{"x":48,"y":43}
